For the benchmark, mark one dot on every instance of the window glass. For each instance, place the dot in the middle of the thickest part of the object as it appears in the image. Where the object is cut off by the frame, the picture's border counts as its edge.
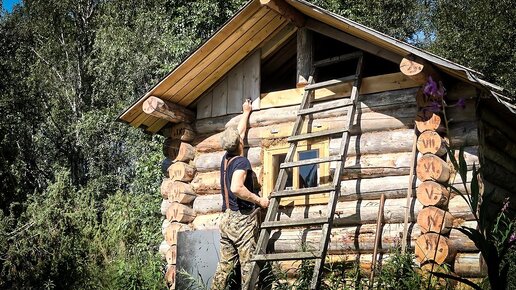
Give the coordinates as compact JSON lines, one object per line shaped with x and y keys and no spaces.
{"x":308,"y":173}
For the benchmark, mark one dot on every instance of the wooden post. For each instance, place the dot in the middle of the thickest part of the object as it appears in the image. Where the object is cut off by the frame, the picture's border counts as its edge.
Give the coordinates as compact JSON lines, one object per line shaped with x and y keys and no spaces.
{"x":304,"y":56}
{"x":431,"y":167}
{"x":167,"y":110}
{"x":431,"y":193}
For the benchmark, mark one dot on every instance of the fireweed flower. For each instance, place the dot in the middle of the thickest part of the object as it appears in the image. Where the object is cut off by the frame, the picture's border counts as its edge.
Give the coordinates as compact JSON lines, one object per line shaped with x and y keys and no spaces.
{"x":512,"y":238}
{"x":430,"y":87}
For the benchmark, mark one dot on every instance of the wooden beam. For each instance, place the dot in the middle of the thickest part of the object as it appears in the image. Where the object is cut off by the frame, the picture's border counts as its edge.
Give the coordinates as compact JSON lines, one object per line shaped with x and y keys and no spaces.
{"x":167,"y":110}
{"x":359,"y":43}
{"x":370,"y":85}
{"x":277,"y":40}
{"x":418,"y":69}
{"x":304,"y":56}
{"x":286,"y":11}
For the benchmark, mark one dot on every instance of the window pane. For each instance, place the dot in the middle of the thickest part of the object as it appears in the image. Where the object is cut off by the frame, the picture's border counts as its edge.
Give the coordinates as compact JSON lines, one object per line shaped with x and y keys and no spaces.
{"x":277,"y":160}
{"x":308,"y":173}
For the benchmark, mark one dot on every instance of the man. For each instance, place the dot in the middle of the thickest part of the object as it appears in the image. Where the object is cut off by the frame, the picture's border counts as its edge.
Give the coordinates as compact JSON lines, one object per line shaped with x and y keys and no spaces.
{"x":239,"y":223}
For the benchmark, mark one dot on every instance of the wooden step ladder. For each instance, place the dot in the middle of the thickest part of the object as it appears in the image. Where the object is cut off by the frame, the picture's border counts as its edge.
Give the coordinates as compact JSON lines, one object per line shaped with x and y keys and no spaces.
{"x":261,"y":256}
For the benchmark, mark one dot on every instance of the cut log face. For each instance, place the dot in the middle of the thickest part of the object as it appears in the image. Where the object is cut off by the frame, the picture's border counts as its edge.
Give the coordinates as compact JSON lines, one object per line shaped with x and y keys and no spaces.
{"x":181,"y":171}
{"x":432,"y":247}
{"x":418,"y":69}
{"x":181,"y":192}
{"x":167,"y":111}
{"x":171,"y":232}
{"x":431,"y":167}
{"x":171,"y":255}
{"x":185,"y":153}
{"x":163,"y":248}
{"x":427,"y":120}
{"x":431,"y":142}
{"x":180,"y":213}
{"x":433,"y":219}
{"x":170,"y":276}
{"x":171,"y":148}
{"x":181,"y":131}
{"x":166,"y":187}
{"x":431,"y":193}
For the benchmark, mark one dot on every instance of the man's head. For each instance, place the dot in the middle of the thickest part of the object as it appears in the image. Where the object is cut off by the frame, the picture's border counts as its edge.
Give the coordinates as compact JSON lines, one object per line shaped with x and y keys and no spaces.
{"x":230,"y":140}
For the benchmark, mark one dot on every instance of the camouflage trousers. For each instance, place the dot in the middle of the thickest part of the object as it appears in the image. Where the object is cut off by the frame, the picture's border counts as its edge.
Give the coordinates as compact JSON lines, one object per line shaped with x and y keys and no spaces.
{"x":238,"y":235}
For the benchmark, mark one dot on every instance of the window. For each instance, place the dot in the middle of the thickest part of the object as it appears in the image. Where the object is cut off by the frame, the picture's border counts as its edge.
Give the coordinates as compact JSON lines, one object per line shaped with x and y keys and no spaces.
{"x":299,"y":177}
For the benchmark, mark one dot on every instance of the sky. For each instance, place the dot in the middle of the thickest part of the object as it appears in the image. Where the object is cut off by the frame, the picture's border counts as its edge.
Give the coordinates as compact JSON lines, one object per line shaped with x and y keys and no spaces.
{"x":8,"y":4}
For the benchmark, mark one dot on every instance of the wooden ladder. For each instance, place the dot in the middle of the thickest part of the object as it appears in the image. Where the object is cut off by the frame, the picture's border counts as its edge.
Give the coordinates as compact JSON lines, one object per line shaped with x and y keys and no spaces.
{"x":261,"y":256}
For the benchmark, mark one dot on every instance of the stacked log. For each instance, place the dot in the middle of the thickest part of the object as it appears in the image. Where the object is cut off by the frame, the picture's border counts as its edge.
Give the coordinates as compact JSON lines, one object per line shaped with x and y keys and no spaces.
{"x":435,"y":245}
{"x":177,"y":192}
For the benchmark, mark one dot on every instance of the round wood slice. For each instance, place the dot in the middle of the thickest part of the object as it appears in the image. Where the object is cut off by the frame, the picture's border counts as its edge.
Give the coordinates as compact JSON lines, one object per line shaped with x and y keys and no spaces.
{"x":427,"y":120}
{"x":432,"y":193}
{"x":432,"y":247}
{"x":183,"y":132}
{"x":434,"y":219}
{"x":181,"y":171}
{"x":171,"y":232}
{"x":181,"y":192}
{"x":180,"y":213}
{"x":185,"y":153}
{"x":166,"y":187}
{"x":432,"y":167}
{"x":431,"y":142}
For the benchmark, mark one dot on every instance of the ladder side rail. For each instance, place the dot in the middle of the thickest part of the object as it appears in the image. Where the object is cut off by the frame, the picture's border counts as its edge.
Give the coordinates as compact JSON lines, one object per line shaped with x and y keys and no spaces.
{"x":332,"y":202}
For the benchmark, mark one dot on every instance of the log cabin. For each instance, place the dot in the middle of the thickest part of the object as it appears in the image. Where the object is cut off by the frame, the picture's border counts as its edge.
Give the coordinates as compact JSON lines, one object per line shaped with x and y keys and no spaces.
{"x":397,"y":150}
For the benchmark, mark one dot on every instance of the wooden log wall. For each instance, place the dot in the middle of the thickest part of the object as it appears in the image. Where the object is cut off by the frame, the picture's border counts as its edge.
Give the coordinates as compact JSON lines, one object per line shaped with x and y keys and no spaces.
{"x":177,"y":192}
{"x":498,"y":154}
{"x":379,"y":162}
{"x":436,"y":244}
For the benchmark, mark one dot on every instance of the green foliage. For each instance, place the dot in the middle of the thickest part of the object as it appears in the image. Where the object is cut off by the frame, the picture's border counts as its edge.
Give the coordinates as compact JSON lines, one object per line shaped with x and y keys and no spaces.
{"x":78,"y":191}
{"x":478,"y":34}
{"x":496,"y":239}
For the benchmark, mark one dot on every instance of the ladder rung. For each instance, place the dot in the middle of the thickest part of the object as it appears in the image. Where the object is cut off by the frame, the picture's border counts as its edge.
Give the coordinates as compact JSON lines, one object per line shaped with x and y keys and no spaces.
{"x":295,"y":223}
{"x":330,"y":83}
{"x":326,"y":107}
{"x":287,"y":256}
{"x":337,"y":59}
{"x":310,"y":161}
{"x":302,"y":191}
{"x":315,"y":134}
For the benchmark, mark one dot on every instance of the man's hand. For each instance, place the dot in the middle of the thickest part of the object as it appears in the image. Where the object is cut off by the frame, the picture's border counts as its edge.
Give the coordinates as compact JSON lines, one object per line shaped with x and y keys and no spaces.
{"x":247,"y":107}
{"x":264,"y":202}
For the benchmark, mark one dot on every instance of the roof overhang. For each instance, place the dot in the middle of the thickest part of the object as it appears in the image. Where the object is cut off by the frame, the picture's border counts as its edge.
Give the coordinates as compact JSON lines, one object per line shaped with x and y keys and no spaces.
{"x":245,"y":32}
